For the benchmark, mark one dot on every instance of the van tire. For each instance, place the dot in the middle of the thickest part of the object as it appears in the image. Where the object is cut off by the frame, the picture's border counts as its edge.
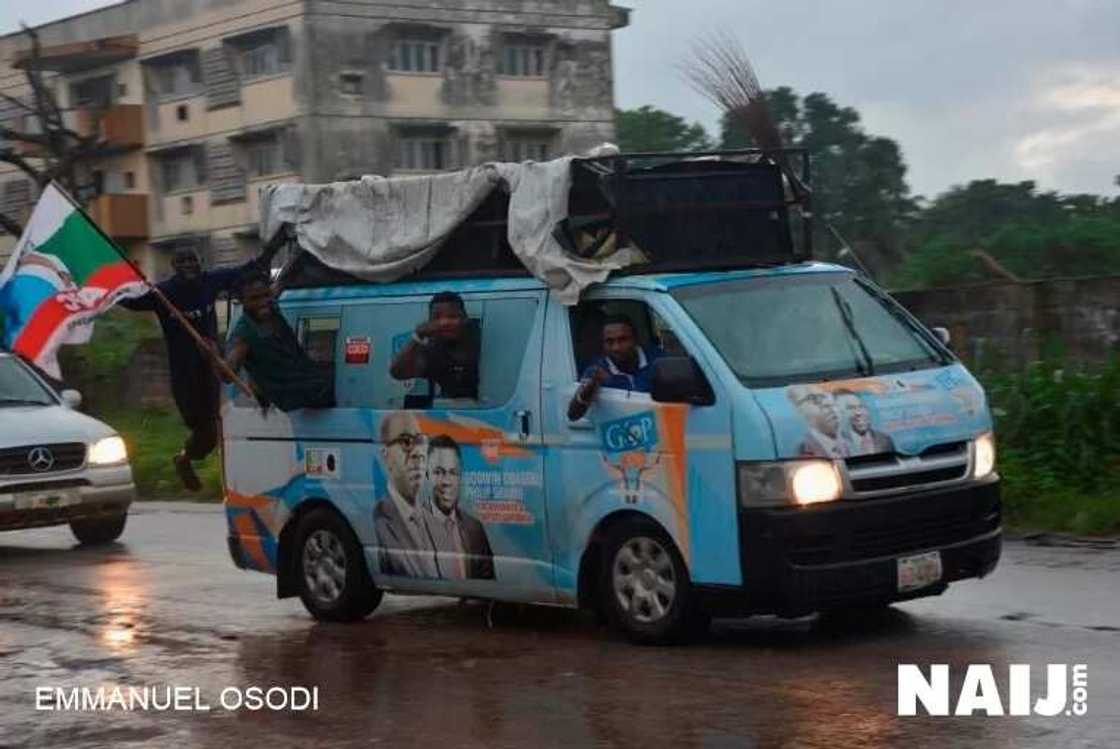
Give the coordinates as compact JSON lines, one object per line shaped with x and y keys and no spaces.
{"x":645,"y":588}
{"x":330,"y":569}
{"x":97,"y":531}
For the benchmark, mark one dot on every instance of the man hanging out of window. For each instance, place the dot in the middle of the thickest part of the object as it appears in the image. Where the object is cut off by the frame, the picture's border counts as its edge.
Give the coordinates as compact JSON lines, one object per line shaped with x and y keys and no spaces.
{"x":264,"y":344}
{"x":443,"y":349}
{"x":624,"y":365}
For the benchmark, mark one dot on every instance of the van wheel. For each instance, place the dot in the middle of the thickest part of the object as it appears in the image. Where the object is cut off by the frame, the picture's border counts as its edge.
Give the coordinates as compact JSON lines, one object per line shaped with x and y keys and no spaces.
{"x":646,"y":590}
{"x":334,"y":583}
{"x":94,"y":531}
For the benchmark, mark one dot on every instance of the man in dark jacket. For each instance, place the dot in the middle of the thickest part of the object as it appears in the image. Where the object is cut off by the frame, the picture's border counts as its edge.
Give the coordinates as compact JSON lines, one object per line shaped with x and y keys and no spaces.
{"x":194,"y":385}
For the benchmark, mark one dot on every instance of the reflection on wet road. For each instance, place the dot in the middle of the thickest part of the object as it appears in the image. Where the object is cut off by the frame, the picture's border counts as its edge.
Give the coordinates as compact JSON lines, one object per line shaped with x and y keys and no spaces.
{"x":166,"y":607}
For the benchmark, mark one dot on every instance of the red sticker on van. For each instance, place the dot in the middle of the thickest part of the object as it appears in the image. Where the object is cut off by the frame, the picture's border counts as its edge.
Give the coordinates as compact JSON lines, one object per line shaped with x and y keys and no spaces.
{"x":357,"y":350}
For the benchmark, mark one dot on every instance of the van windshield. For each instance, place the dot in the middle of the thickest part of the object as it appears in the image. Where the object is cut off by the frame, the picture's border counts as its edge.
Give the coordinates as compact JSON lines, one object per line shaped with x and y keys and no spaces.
{"x":808,"y":328}
{"x":18,"y":387}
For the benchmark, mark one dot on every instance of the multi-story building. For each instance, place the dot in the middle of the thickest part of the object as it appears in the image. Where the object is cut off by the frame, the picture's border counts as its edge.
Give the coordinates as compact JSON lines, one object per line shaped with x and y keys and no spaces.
{"x":206,"y":100}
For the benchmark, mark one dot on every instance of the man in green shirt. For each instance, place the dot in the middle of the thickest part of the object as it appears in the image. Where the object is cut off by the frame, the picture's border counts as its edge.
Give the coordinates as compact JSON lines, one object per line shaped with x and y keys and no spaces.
{"x":264,"y":344}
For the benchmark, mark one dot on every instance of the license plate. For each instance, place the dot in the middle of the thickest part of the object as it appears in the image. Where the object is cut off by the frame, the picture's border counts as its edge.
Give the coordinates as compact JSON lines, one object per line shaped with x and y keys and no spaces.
{"x":46,"y":500}
{"x":918,"y":571}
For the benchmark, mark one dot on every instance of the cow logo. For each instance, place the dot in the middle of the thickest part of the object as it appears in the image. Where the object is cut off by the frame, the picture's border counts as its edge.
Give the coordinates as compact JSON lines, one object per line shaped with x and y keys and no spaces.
{"x":40,"y":459}
{"x":637,"y":432}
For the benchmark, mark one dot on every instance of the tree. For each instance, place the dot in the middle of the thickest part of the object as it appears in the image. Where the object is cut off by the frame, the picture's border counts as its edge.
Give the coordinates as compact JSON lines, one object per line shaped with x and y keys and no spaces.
{"x":1032,"y":234}
{"x":50,"y":149}
{"x":650,"y":129}
{"x":858,"y":180}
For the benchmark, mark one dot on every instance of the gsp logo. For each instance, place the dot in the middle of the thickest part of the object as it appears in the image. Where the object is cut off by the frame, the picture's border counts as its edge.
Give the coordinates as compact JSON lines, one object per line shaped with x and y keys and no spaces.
{"x":980,"y":693}
{"x":637,"y":432}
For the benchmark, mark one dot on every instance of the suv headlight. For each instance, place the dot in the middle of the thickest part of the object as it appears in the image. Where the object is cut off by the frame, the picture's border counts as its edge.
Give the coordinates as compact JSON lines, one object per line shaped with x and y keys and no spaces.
{"x":108,"y":451}
{"x":788,"y":483}
{"x":983,"y":455}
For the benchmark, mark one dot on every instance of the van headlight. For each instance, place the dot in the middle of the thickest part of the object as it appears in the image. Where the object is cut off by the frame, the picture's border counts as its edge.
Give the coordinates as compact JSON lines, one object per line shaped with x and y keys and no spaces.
{"x":788,"y":483}
{"x":109,"y":451}
{"x":983,"y":455}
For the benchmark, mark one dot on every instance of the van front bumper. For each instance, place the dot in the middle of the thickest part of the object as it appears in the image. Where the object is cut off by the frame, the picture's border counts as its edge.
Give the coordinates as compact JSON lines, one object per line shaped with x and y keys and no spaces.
{"x":842,"y":554}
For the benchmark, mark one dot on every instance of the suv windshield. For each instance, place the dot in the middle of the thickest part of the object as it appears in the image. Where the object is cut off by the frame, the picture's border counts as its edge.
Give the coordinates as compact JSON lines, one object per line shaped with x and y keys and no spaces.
{"x":18,"y":387}
{"x":808,"y":328}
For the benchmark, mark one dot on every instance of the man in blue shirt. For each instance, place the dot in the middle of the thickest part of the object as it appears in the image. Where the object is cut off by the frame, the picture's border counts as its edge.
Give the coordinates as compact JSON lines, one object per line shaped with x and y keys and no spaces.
{"x":623,"y":365}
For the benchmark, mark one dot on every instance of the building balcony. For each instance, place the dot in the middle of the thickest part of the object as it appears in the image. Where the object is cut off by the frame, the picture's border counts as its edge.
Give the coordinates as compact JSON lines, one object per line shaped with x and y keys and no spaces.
{"x":121,"y":216}
{"x":75,"y":57}
{"x":120,"y":125}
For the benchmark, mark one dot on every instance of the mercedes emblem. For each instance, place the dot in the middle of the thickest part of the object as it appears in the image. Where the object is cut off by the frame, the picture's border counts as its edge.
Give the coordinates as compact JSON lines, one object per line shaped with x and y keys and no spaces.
{"x":40,"y":459}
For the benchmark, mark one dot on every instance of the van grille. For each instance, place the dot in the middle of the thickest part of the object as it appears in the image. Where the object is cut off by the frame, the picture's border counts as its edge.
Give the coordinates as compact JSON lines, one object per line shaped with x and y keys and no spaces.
{"x":889,"y":472}
{"x":65,"y":456}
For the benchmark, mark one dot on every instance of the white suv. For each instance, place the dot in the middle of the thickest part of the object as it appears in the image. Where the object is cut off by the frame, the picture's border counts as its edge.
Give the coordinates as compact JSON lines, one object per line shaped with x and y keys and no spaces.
{"x":57,"y":465}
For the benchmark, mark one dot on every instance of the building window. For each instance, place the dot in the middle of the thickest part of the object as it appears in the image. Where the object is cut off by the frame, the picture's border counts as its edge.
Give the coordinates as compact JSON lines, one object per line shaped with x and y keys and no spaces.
{"x":129,"y":180}
{"x":262,"y":59}
{"x":264,"y":157}
{"x":428,"y":153}
{"x":527,"y":147}
{"x":182,"y":113}
{"x":187,"y":204}
{"x":415,"y":56}
{"x":350,"y":84}
{"x":177,"y":75}
{"x":180,"y":171}
{"x":95,"y":93}
{"x":523,"y":60}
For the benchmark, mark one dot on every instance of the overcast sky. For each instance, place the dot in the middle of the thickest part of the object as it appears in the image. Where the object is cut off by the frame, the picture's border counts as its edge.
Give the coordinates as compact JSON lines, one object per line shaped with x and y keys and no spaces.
{"x":1012,"y":89}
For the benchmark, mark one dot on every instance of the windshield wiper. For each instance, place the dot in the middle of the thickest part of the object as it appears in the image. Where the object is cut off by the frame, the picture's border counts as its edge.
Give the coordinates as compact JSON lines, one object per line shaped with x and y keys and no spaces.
{"x":899,"y":313}
{"x":22,"y":402}
{"x":867,"y":366}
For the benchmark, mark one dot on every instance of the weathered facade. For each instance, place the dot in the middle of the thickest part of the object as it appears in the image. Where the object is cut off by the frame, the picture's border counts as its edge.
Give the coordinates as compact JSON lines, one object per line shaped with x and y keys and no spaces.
{"x":222,"y":96}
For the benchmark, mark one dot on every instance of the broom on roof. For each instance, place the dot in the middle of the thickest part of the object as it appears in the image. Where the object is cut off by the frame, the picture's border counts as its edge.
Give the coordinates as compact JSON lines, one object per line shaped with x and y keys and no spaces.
{"x":720,"y":71}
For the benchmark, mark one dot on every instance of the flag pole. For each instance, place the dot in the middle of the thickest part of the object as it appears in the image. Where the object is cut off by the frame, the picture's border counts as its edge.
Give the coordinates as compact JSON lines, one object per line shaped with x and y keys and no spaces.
{"x":199,"y":340}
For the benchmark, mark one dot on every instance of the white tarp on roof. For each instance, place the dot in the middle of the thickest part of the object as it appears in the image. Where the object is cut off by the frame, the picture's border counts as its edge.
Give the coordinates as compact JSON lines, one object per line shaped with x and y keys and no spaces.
{"x":380,"y":229}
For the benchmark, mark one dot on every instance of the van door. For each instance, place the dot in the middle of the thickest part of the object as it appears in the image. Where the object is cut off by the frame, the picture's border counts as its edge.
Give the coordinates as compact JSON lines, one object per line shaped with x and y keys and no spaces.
{"x":456,"y":500}
{"x":672,"y":462}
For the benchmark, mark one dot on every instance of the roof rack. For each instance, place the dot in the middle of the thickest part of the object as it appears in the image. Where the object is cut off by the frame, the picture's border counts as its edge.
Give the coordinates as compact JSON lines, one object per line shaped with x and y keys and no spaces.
{"x":710,"y":210}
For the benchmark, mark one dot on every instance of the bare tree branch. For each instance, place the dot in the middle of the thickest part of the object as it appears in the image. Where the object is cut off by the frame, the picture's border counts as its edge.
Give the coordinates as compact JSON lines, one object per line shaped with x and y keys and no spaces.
{"x":10,"y":225}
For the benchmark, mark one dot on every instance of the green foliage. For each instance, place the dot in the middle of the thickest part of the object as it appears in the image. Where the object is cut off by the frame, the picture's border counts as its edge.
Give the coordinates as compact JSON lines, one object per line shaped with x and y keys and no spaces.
{"x":153,"y":437}
{"x":650,"y":129}
{"x":1058,"y":431}
{"x":1033,"y":235}
{"x":859,"y":180}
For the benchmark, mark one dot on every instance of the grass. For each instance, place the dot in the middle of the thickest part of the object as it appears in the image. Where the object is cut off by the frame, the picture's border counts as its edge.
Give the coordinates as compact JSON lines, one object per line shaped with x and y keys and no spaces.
{"x":1058,"y":433}
{"x":153,"y":437}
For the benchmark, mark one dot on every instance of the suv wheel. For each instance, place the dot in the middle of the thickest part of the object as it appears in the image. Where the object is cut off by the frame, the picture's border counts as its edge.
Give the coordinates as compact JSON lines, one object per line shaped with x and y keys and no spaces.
{"x":334,"y":583}
{"x":93,"y":531}
{"x":646,"y":588}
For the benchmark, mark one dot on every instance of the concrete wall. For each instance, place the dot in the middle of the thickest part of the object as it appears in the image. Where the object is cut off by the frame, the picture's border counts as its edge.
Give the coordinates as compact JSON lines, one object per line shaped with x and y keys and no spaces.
{"x":1009,"y":324}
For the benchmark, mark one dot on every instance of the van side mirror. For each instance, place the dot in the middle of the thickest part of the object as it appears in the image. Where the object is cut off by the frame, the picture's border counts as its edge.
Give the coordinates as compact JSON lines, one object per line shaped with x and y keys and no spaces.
{"x":71,"y":398}
{"x":943,"y":336}
{"x":678,"y":379}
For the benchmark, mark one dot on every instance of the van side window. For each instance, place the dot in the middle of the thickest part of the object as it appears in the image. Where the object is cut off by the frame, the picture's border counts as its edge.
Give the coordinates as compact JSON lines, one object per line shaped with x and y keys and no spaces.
{"x":375,"y":374}
{"x":319,"y":338}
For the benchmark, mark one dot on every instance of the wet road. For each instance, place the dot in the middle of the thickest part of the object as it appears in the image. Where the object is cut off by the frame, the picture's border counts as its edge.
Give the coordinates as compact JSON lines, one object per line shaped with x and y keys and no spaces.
{"x":166,"y":607}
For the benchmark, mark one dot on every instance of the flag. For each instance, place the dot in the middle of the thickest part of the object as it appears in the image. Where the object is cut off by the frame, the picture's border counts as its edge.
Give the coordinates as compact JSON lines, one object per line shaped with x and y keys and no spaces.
{"x":63,"y":272}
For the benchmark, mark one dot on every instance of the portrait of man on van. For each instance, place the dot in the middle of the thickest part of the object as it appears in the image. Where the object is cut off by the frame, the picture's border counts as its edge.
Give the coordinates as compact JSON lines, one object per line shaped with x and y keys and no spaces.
{"x":405,"y":547}
{"x":622,"y":364}
{"x":459,"y":538}
{"x":444,"y":349}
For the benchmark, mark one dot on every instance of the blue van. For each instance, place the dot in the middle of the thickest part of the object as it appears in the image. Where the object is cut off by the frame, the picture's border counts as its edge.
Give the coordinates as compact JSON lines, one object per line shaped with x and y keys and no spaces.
{"x":779,"y":439}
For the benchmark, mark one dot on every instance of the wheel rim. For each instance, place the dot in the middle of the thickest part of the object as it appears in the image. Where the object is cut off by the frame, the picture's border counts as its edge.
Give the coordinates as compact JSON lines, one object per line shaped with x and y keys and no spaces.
{"x":324,"y":567}
{"x":645,"y":582}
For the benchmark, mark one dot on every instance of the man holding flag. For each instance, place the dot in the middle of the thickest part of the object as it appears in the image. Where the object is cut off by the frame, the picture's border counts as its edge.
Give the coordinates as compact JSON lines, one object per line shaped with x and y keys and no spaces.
{"x":194,"y":385}
{"x":65,"y":271}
